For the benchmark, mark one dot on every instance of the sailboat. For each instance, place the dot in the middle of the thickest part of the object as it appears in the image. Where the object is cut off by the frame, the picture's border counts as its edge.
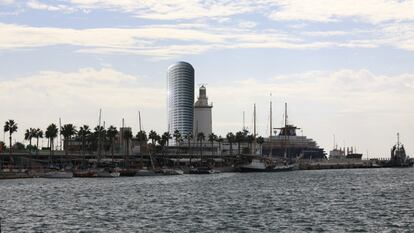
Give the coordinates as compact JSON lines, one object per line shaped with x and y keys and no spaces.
{"x":261,"y":164}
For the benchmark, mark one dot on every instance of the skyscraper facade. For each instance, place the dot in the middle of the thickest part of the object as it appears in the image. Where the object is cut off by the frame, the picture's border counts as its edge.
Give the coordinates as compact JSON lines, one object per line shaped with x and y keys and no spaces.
{"x":180,"y":97}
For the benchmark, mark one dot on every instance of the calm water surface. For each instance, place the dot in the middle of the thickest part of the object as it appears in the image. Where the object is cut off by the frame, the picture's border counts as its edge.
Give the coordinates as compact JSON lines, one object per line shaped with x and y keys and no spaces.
{"x":375,"y":200}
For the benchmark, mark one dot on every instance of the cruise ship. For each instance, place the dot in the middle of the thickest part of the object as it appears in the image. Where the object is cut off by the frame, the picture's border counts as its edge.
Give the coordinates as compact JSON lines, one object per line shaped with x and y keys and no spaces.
{"x":287,"y":144}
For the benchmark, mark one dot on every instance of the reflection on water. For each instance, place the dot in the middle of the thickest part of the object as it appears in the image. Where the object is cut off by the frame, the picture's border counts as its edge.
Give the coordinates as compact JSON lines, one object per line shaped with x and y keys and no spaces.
{"x":329,"y":200}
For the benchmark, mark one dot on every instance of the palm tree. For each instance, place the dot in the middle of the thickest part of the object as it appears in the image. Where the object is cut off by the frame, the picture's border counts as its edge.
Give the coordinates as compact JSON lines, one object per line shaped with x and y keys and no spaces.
{"x":51,"y":134}
{"x":231,"y":138}
{"x":29,"y":134}
{"x":250,"y":140}
{"x":177,"y":136}
{"x":240,"y":137}
{"x":83,"y":133}
{"x":220,"y":141}
{"x":100,"y":134}
{"x":127,"y":136}
{"x":260,"y":141}
{"x":67,"y":131}
{"x":167,"y":136}
{"x":200,"y":138}
{"x":153,"y":137}
{"x":11,"y":127}
{"x":189,"y":137}
{"x":38,"y":134}
{"x":212,"y":138}
{"x":111,"y":133}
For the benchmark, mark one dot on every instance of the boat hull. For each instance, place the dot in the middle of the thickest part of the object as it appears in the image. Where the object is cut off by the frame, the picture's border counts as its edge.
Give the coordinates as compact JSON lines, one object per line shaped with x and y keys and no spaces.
{"x":275,"y":169}
{"x":85,"y":174}
{"x":57,"y":175}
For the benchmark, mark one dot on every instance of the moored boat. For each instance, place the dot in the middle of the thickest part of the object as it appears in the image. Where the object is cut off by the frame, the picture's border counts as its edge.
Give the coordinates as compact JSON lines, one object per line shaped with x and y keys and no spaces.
{"x":263,"y":165}
{"x":202,"y":170}
{"x":127,"y":172}
{"x":57,"y":174}
{"x":146,"y":172}
{"x":107,"y":173}
{"x":172,"y":172}
{"x":88,"y":173}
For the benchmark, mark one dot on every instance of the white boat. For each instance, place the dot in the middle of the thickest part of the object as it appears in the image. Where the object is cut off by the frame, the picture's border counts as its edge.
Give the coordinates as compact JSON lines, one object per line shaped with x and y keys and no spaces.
{"x":172,"y":172}
{"x":258,"y":165}
{"x":106,"y":173}
{"x":57,"y":174}
{"x":146,"y":172}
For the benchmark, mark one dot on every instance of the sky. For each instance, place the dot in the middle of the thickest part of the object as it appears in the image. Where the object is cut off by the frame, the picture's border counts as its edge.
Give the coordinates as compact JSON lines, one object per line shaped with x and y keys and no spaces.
{"x":345,"y":68}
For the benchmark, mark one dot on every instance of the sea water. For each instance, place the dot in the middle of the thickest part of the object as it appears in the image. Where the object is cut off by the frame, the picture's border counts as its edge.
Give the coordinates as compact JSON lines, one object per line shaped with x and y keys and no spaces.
{"x":355,"y":200}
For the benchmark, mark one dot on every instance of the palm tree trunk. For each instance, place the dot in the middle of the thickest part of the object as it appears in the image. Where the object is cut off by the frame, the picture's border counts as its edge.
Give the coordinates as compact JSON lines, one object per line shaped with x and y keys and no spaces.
{"x":10,"y":143}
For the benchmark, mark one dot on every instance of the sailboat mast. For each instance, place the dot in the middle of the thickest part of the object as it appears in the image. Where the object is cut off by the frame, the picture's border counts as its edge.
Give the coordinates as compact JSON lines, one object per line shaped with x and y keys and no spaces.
{"x":254,"y":121}
{"x":99,"y":134}
{"x":60,"y":137}
{"x":254,"y":129}
{"x":139,"y":119}
{"x":398,"y":139}
{"x":271,"y":128}
{"x":271,"y":118}
{"x":286,"y":116}
{"x":244,"y":121}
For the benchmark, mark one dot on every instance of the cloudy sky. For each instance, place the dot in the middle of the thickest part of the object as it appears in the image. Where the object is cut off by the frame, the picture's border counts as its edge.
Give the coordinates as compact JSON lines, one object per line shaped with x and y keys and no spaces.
{"x":344,"y":67}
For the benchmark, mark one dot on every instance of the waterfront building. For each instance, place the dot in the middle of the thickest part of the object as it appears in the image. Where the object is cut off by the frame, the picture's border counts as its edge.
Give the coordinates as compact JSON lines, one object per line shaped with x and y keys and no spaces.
{"x":202,"y":114}
{"x":180,"y":81}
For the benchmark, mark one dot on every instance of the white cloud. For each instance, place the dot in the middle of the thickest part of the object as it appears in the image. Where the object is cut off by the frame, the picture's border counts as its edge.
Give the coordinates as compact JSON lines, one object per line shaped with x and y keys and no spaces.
{"x":40,"y":99}
{"x":5,"y":2}
{"x":156,"y":40}
{"x":373,"y":11}
{"x":247,"y":24}
{"x":34,"y":4}
{"x":172,"y":9}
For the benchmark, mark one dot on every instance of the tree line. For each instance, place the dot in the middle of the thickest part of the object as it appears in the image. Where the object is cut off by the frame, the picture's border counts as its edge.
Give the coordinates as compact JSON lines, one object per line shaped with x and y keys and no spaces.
{"x":100,"y":138}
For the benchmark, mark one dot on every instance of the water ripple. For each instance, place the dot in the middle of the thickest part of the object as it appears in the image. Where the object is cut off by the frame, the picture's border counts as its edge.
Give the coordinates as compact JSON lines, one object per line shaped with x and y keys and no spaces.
{"x":375,"y":200}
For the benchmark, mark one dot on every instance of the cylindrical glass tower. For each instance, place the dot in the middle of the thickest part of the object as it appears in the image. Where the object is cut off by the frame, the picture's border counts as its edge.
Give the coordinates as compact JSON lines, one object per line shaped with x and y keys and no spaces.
{"x":180,"y":97}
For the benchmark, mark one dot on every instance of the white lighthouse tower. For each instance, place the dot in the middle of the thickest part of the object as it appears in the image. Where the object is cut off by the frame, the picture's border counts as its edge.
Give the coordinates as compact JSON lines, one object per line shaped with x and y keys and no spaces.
{"x":202,"y":114}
